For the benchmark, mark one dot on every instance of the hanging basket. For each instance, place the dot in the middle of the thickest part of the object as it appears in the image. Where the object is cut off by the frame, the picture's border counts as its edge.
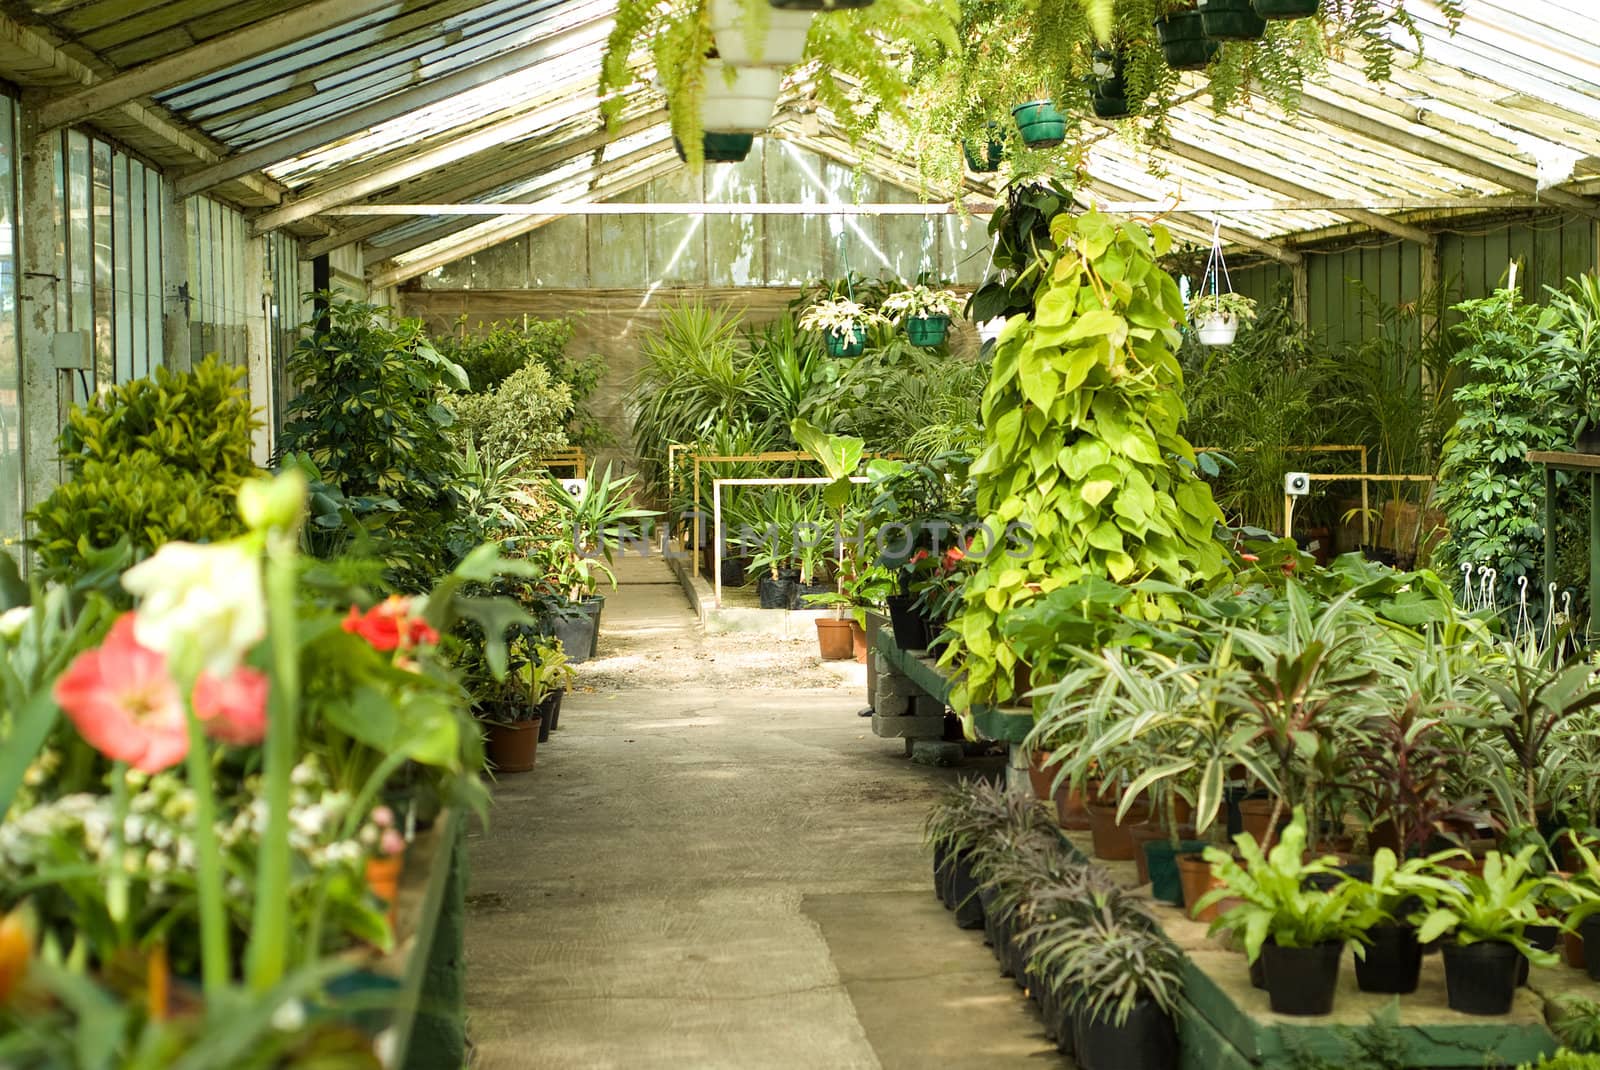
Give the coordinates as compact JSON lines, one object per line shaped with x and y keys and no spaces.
{"x":1231,"y":20}
{"x":1217,"y":328}
{"x":927,"y":331}
{"x":1108,"y":88}
{"x":984,"y":160}
{"x":851,"y":343}
{"x":819,"y":5}
{"x":784,"y":44}
{"x":745,"y":107}
{"x":1042,"y":126}
{"x":1184,"y":43}
{"x":720,"y":148}
{"x":1286,"y":9}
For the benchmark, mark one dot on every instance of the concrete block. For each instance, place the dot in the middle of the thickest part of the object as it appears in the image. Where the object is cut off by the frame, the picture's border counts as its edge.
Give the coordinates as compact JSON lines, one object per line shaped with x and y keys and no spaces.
{"x":928,"y":706}
{"x":908,"y":727}
{"x":888,"y":705}
{"x":898,"y":685}
{"x":936,"y":752}
{"x":885,"y":666}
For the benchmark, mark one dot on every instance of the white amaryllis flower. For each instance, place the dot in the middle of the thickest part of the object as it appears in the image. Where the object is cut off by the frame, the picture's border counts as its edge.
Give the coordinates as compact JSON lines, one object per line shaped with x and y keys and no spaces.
{"x":12,"y":621}
{"x":202,"y":604}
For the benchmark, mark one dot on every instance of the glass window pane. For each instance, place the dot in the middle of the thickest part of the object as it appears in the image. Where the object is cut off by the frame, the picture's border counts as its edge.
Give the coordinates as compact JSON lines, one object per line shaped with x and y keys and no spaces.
{"x":104,"y":342}
{"x":11,"y":473}
{"x":121,"y":270}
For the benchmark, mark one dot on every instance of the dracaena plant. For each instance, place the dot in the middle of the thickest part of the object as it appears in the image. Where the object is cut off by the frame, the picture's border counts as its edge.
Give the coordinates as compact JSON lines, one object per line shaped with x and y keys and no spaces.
{"x":1280,"y":902}
{"x":1077,"y":476}
{"x":1497,"y":906}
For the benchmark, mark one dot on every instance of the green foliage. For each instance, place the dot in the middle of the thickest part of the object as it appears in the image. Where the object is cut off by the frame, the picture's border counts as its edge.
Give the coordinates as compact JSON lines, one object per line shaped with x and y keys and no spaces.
{"x":1082,"y":471}
{"x":150,"y":462}
{"x":370,"y":415}
{"x":521,"y":419}
{"x":1496,"y":906}
{"x":492,"y":353}
{"x":1492,"y":497}
{"x":1023,"y":245}
{"x":1280,"y":904}
{"x":1565,"y":1059}
{"x":1575,"y":1020}
{"x":1255,"y":402}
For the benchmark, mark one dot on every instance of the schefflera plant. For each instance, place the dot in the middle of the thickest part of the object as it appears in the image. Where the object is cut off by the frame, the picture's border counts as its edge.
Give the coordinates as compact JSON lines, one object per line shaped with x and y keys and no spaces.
{"x":1083,"y":471}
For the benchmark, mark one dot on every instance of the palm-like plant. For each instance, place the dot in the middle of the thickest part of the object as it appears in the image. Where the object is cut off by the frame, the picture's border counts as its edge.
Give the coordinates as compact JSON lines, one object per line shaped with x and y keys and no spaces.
{"x":596,"y":517}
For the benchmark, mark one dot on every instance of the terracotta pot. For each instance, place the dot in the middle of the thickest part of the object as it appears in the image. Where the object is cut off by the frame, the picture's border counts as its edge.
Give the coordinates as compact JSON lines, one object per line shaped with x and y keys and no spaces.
{"x":1572,"y":950}
{"x":1071,"y":813}
{"x":858,"y":642}
{"x":383,"y":881}
{"x":1194,"y":872}
{"x":1040,"y":778}
{"x":513,"y":748}
{"x":834,"y":640}
{"x":1255,"y":815}
{"x":1114,"y":842}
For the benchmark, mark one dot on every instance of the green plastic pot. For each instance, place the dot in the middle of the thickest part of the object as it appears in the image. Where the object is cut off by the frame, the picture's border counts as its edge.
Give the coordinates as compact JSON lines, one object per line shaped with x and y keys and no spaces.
{"x":1231,"y":20}
{"x":927,"y":331}
{"x":720,"y":148}
{"x":1110,"y":107}
{"x":848,"y":344}
{"x":988,"y":161}
{"x":1042,"y":126}
{"x":1286,"y":9}
{"x":1184,"y":43}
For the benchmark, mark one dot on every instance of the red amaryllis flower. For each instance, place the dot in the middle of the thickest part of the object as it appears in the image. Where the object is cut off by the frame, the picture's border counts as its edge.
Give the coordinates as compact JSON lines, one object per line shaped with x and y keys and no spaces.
{"x":124,"y":703}
{"x":389,"y":625}
{"x":234,"y":708}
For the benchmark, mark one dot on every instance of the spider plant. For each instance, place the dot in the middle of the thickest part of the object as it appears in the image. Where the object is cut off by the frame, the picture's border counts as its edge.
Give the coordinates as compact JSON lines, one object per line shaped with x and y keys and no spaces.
{"x":1106,"y":956}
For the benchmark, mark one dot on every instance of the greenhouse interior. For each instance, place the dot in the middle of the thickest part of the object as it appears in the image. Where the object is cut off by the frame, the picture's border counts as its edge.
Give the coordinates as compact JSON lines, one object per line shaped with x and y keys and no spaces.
{"x":818,"y":534}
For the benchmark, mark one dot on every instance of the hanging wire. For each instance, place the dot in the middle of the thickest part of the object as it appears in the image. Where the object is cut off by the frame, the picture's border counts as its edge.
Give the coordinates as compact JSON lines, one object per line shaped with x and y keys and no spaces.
{"x":1216,"y":264}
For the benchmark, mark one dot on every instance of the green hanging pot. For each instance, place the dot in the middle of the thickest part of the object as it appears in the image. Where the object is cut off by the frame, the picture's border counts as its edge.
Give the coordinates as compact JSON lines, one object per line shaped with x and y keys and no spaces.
{"x":984,"y":160}
{"x":1184,"y":43}
{"x":720,"y":148}
{"x":1231,"y":20}
{"x":927,"y":331}
{"x":1042,"y":126}
{"x":1286,"y":9}
{"x":851,"y":343}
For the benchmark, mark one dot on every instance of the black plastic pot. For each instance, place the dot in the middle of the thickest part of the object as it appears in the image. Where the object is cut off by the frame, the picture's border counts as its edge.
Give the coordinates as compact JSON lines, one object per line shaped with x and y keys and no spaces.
{"x":1148,"y":1040}
{"x":1258,"y":973}
{"x":1109,"y":94}
{"x":1302,"y":980}
{"x":1286,"y":9}
{"x":594,"y":605}
{"x":1231,"y":20}
{"x":964,"y":893}
{"x":1184,"y":43}
{"x":1162,"y":862}
{"x":554,"y":716}
{"x":1393,"y":960}
{"x":1481,"y":978}
{"x":546,"y":718}
{"x":798,"y":593}
{"x":720,"y":148}
{"x":1543,"y":937}
{"x":1000,"y":941}
{"x":1589,"y":930}
{"x":910,"y":627}
{"x":774,"y":593}
{"x":575,"y":629}
{"x":942,"y":870}
{"x":1588,"y":441}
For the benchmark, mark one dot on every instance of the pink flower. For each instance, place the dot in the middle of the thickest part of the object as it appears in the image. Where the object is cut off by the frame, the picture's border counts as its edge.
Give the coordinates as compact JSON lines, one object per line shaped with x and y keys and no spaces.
{"x":392,"y":843}
{"x":124,"y":703}
{"x":389,"y":625}
{"x":233,"y":709}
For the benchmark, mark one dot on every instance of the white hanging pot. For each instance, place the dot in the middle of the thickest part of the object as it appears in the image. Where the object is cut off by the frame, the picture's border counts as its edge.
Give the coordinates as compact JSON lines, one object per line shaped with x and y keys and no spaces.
{"x":1217,"y":328}
{"x":783,"y":45}
{"x":745,"y":107}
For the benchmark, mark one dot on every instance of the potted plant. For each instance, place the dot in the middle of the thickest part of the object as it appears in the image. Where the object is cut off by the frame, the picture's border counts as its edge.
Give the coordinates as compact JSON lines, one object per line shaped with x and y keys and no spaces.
{"x":738,"y":100}
{"x":1108,"y":88}
{"x":1231,"y":20}
{"x":925,"y":312}
{"x":984,"y":155}
{"x":1119,"y":976}
{"x":955,"y":829}
{"x":1582,"y":890}
{"x":1285,"y":9}
{"x":1183,"y":40}
{"x":835,"y":641}
{"x":750,"y":33}
{"x":843,"y":323}
{"x":547,"y":675}
{"x":719,"y":148}
{"x":513,"y":722}
{"x":1297,"y":930}
{"x":1040,"y":122}
{"x":1216,"y":317}
{"x":1488,"y":916}
{"x":1385,"y":905}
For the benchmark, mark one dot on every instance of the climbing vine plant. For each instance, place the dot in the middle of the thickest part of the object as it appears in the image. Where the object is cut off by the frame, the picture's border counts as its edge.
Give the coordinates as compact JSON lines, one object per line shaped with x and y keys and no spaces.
{"x":1083,"y":470}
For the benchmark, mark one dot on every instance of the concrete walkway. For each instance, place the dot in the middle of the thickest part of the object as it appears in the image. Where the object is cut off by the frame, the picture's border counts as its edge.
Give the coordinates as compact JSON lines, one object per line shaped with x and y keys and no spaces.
{"x":722,"y":879}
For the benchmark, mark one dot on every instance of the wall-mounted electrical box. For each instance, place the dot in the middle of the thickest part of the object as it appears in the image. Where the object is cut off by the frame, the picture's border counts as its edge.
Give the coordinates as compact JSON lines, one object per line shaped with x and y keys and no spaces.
{"x":74,"y":351}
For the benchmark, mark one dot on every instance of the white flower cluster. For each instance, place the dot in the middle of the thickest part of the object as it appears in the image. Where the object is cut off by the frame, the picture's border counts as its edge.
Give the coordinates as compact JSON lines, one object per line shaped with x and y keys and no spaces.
{"x":157,"y":831}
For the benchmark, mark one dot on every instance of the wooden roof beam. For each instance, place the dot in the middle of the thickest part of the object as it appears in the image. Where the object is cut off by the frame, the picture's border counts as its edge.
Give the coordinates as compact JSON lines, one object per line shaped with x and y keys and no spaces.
{"x":213,"y":55}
